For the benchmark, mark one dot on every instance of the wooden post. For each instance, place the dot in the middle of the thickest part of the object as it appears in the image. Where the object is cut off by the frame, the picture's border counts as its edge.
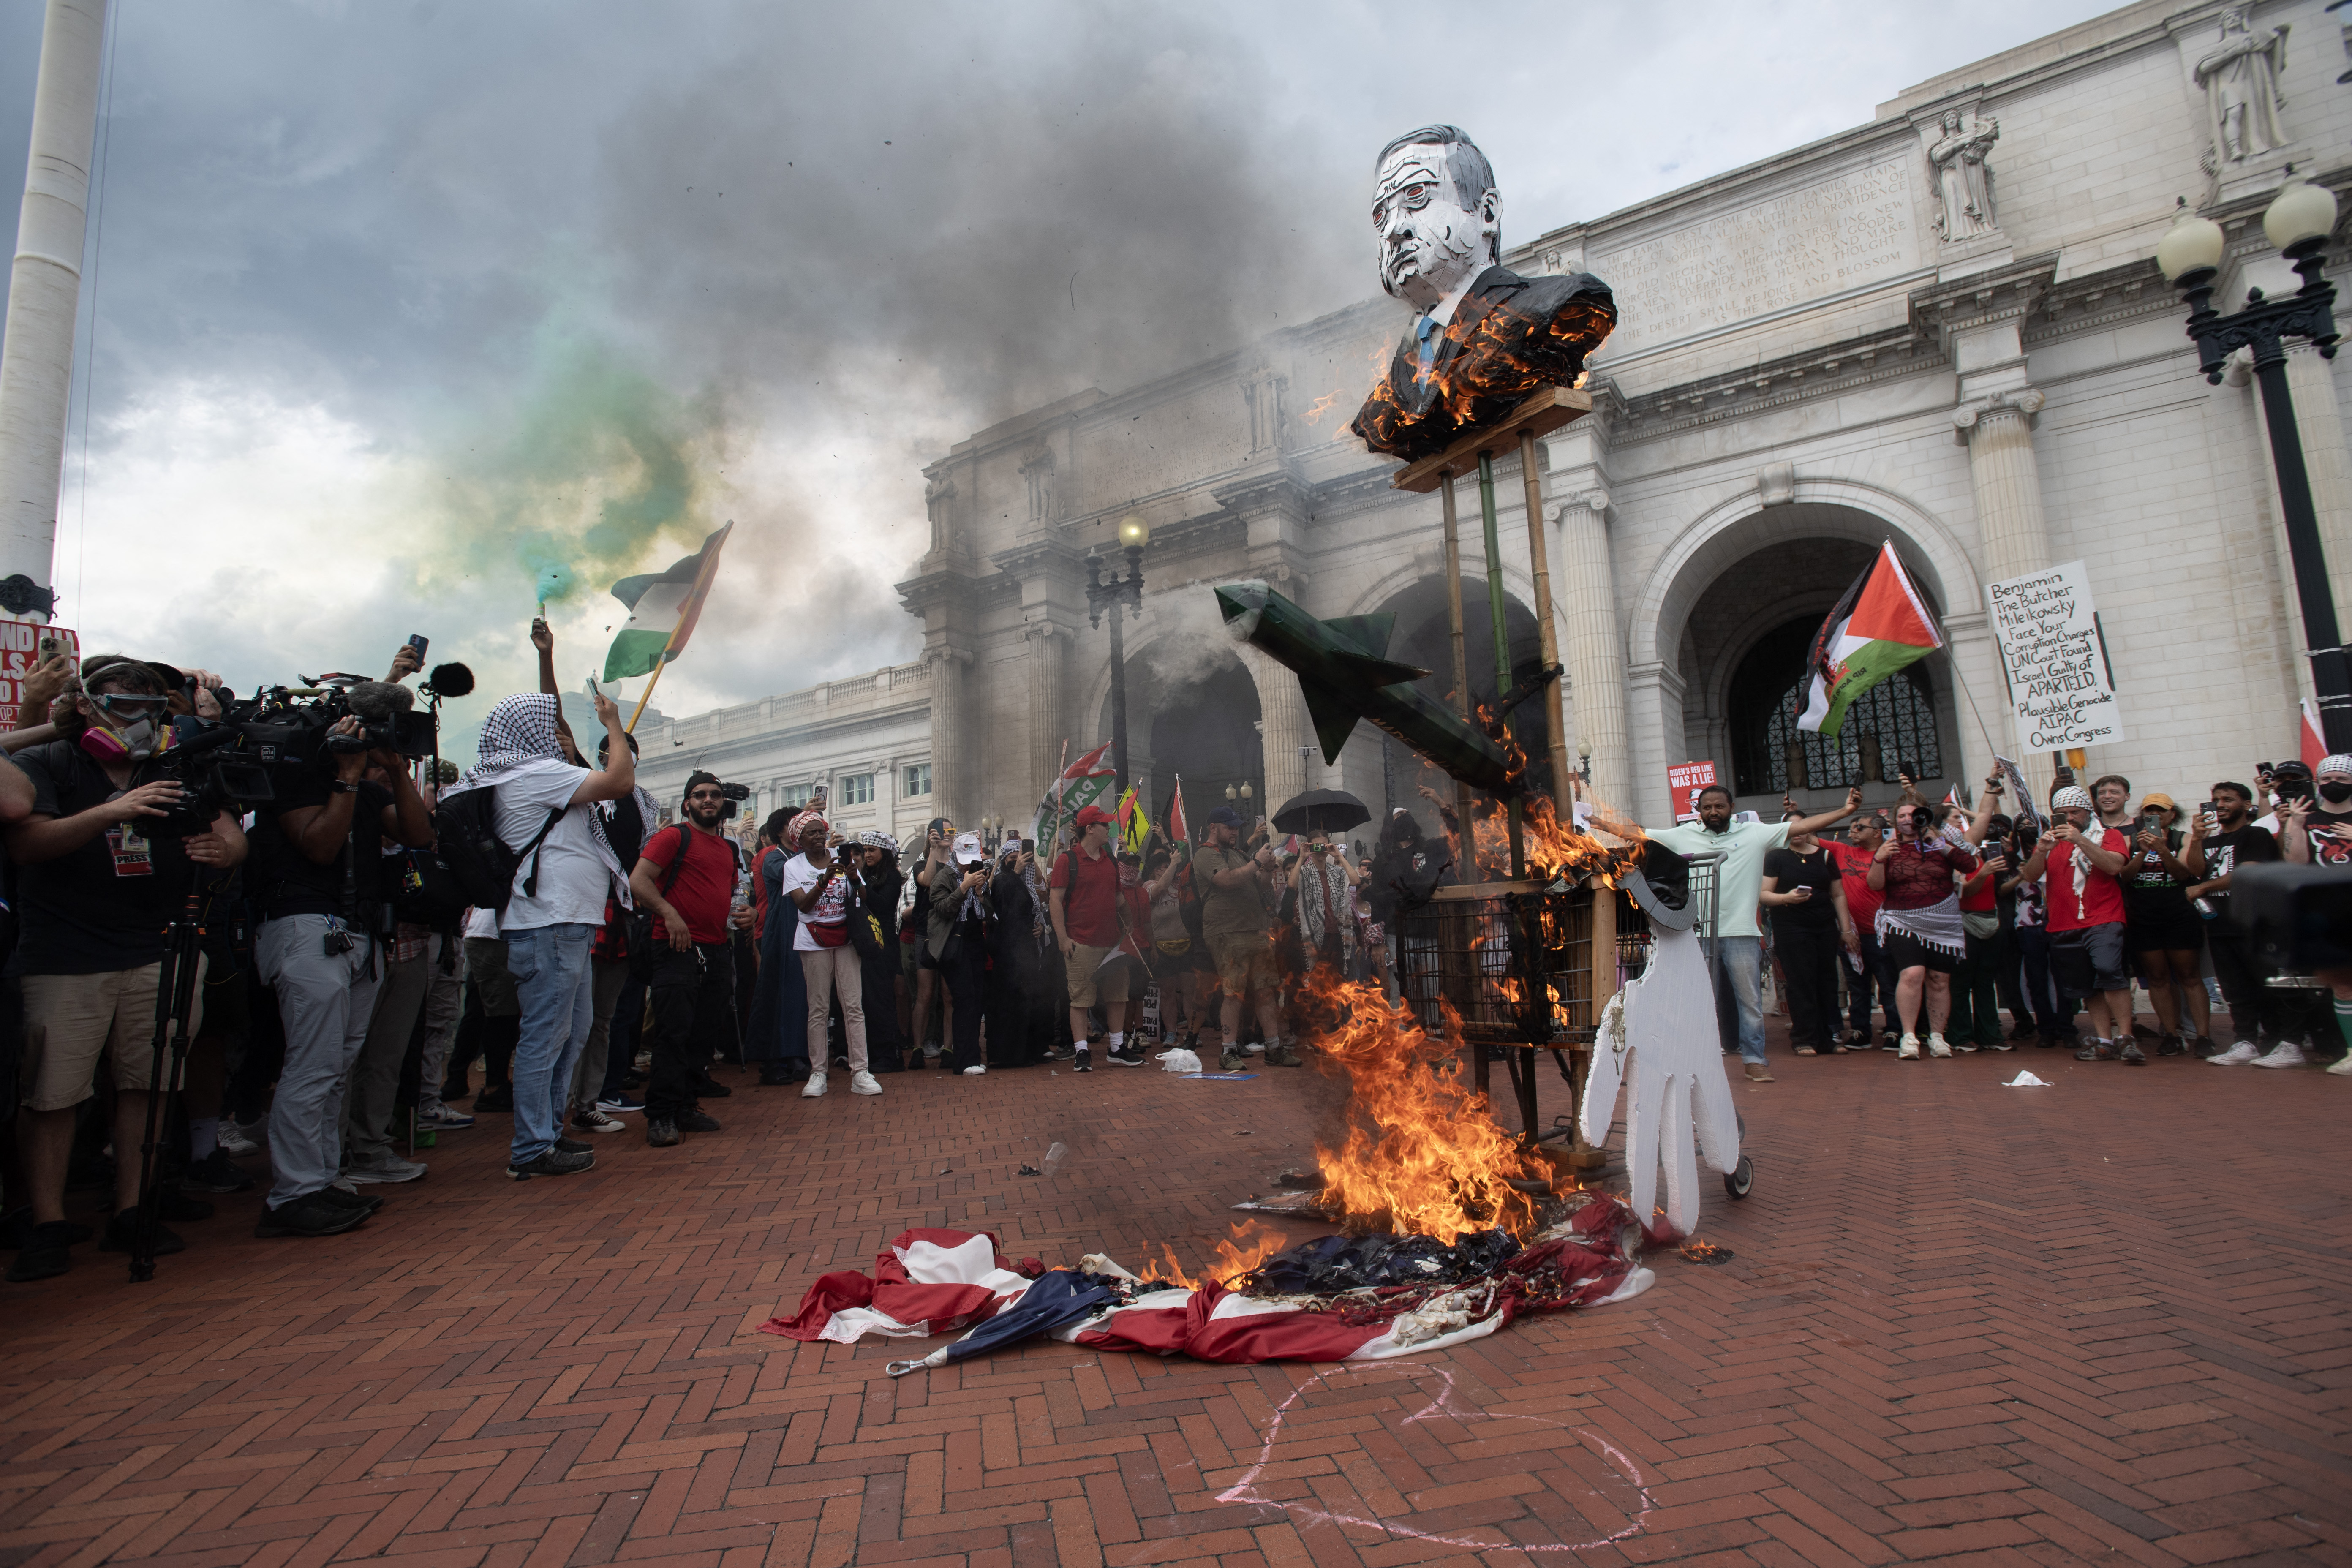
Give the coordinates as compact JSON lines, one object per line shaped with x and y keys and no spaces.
{"x":1563,"y":793}
{"x":1461,"y":693}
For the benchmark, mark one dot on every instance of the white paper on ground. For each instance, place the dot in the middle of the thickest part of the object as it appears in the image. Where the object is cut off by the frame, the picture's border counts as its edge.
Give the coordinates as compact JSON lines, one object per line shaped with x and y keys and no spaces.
{"x":2025,"y":1079}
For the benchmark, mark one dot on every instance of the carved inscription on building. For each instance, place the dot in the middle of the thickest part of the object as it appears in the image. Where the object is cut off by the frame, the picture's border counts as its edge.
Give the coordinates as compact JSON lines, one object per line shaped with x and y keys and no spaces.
{"x":1807,"y":244}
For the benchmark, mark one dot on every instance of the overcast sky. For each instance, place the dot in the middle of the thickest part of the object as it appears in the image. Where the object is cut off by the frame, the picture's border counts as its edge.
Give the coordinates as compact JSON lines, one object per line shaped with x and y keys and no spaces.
{"x":391,"y":302}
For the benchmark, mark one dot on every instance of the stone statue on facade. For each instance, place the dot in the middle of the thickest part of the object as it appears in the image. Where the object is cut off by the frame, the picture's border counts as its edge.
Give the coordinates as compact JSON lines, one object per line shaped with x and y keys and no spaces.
{"x":2241,"y":80}
{"x":1485,"y":338}
{"x":1963,"y":178}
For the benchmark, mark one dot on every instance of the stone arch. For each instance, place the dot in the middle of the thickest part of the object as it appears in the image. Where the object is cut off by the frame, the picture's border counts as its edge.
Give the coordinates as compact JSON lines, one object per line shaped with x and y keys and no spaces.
{"x":1837,"y":509}
{"x":1193,"y":705}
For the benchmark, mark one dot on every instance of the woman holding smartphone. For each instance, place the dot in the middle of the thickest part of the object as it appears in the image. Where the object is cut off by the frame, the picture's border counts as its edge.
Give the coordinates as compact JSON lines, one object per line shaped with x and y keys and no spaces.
{"x":1919,"y":926}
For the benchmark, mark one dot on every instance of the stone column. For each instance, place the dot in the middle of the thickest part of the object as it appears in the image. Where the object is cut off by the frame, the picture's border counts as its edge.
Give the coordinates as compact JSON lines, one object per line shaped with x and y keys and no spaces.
{"x":1591,"y":647}
{"x":947,"y":732}
{"x":2005,"y":479}
{"x":1283,"y":727}
{"x":1653,"y":709}
{"x":1998,"y":431}
{"x":1048,"y":654}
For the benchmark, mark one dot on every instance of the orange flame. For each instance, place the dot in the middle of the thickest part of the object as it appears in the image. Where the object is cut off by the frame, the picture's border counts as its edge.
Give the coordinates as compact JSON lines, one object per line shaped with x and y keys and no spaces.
{"x":1250,"y":1245}
{"x":1422,"y":1154}
{"x":1320,"y":407}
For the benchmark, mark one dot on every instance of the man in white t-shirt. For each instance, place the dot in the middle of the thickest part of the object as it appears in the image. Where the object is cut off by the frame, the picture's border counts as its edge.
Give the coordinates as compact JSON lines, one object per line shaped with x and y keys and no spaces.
{"x":1738,"y":951}
{"x":545,"y":807}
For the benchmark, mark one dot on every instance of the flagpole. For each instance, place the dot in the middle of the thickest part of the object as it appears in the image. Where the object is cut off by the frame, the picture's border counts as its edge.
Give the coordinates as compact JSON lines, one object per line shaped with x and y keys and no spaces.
{"x":647,"y":695}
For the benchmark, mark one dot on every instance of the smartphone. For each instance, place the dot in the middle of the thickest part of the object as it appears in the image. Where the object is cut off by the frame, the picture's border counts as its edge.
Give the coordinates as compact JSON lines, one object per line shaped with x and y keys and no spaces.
{"x":593,"y":690}
{"x":420,"y":642}
{"x":52,"y":646}
{"x":2151,"y":822}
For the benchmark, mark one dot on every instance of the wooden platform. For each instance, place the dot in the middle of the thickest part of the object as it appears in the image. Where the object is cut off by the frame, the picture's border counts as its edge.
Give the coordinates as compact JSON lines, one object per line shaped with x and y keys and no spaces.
{"x":1549,"y":408}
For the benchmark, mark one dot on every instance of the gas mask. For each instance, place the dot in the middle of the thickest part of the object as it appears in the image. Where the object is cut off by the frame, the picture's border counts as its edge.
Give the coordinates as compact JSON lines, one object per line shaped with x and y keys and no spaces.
{"x":110,"y":741}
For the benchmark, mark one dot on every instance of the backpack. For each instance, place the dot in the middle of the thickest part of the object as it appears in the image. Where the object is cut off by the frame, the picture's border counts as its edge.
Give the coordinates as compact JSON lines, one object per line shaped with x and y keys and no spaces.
{"x":465,"y":835}
{"x":647,"y":939}
{"x":424,"y":891}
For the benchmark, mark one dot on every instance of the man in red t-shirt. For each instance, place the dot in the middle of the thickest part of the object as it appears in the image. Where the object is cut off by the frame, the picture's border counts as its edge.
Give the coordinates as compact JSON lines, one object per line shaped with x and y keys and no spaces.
{"x":1864,"y":834}
{"x":686,"y":876}
{"x":1084,"y":901}
{"x":2083,"y":858}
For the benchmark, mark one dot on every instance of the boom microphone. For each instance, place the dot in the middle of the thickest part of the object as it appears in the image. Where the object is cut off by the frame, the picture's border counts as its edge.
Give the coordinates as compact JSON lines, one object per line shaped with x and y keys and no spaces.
{"x":380,"y":702}
{"x":452,"y":679}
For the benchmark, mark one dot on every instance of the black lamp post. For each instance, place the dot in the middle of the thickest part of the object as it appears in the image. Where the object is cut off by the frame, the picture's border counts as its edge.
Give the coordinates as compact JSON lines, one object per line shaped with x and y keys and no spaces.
{"x":2298,"y":221}
{"x":1121,"y":595}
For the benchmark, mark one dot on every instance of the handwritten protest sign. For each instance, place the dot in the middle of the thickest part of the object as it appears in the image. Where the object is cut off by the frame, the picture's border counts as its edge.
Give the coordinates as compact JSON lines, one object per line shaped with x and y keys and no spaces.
{"x":2061,"y":691}
{"x":20,"y":650}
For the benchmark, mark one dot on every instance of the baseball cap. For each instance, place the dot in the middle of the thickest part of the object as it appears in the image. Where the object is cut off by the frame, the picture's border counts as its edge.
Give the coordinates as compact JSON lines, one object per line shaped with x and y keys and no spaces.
{"x":1225,"y":817}
{"x":2157,"y":801}
{"x":968,"y":851}
{"x":1091,"y":815}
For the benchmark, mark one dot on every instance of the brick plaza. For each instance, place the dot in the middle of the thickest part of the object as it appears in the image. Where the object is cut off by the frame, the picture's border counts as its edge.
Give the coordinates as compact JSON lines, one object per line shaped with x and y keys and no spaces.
{"x":2103,"y":1321}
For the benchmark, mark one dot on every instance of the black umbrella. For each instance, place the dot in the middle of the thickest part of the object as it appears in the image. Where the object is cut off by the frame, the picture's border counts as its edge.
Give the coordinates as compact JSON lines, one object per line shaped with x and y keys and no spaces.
{"x":1322,"y":811}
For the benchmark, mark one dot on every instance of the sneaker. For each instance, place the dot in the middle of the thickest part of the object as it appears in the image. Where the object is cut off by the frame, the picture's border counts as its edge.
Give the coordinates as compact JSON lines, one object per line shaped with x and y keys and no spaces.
{"x":2002,"y":1044}
{"x":2342,"y":1068}
{"x":1231,"y":1061}
{"x":814,"y":1088}
{"x":695,"y":1122}
{"x":2205,"y":1046}
{"x":2020,"y":1029}
{"x":621,"y":1105}
{"x":1283,"y":1055}
{"x":711,"y":1089}
{"x":1757,"y":1072}
{"x":2132,"y":1055}
{"x":236,"y":1138}
{"x":1057,"y":1053}
{"x":122,"y":1231}
{"x":499,"y":1098}
{"x":774,"y":1075}
{"x":386,"y":1167}
{"x":1937,"y":1045}
{"x":1082,"y":1060}
{"x":442,"y":1119}
{"x":2286,"y":1054}
{"x":864,"y":1083}
{"x":661,"y":1131}
{"x":2237,"y":1055}
{"x":1130,"y":1055}
{"x":975,"y":1072}
{"x":46,"y":1252}
{"x":930,"y":1051}
{"x":348,"y":1197}
{"x":1909,"y":1050}
{"x":2094,"y":1048}
{"x":2173,"y":1046}
{"x":313,"y":1213}
{"x":1255,"y":1047}
{"x":1889,"y":1043}
{"x":217,"y":1173}
{"x":553,"y":1162}
{"x":592,"y":1120}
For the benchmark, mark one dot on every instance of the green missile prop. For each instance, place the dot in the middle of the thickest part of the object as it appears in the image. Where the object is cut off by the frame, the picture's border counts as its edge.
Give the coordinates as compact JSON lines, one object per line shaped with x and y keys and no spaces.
{"x":1345,"y":676}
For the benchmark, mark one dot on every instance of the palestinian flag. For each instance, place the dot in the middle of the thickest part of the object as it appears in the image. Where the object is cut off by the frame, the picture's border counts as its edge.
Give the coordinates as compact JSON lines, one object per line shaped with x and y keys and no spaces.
{"x":663,"y":608}
{"x":2314,"y":748}
{"x":1082,"y":784}
{"x":1879,"y":626}
{"x":1178,"y":830}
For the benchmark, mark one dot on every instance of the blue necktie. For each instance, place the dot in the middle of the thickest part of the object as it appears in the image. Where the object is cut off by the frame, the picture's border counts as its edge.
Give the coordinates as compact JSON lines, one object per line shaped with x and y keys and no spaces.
{"x":1428,"y":330}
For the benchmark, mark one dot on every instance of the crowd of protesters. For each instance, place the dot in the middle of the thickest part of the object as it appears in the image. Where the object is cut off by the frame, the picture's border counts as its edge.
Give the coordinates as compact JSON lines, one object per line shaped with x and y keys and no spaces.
{"x":337,"y":1009}
{"x":1944,"y":916}
{"x":341,"y":1023}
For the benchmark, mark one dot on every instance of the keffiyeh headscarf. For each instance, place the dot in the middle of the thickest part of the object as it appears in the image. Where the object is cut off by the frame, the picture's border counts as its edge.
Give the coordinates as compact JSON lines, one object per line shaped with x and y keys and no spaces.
{"x":797,"y":828}
{"x":2341,"y":763}
{"x":2074,"y":798}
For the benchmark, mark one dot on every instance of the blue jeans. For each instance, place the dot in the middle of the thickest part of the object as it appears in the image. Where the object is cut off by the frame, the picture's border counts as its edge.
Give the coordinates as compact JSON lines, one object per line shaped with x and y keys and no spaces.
{"x":1737,"y":970}
{"x":556,"y":985}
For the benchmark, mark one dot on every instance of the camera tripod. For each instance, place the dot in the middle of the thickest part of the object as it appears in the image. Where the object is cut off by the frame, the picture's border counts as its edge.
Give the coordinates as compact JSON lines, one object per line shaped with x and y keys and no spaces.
{"x":175,"y":994}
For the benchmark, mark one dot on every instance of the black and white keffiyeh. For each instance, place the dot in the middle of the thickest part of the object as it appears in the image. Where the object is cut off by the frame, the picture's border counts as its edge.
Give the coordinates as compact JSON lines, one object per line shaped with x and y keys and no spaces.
{"x":521,"y":730}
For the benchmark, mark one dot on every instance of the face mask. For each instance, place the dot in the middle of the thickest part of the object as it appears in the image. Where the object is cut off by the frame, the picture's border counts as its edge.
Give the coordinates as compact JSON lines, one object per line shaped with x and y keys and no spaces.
{"x":2335,"y":794}
{"x":134,"y":742}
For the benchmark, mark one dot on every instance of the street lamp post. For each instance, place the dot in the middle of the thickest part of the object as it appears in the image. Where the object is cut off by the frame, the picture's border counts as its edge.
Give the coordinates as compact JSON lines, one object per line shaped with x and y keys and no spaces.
{"x":2298,"y":221}
{"x":1119,"y":596}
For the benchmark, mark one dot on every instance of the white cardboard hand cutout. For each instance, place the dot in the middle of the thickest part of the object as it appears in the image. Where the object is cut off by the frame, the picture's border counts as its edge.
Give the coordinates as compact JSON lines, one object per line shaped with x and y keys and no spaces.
{"x":1665,"y":1022}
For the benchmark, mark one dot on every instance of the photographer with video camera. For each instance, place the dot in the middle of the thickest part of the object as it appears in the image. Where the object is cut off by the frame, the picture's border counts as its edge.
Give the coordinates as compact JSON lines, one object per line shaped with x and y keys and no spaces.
{"x":686,"y":878}
{"x":97,"y":886}
{"x":324,"y":944}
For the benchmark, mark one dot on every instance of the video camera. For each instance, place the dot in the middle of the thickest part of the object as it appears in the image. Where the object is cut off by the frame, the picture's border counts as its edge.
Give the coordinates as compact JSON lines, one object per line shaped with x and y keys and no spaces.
{"x":267,"y":747}
{"x":2299,"y":917}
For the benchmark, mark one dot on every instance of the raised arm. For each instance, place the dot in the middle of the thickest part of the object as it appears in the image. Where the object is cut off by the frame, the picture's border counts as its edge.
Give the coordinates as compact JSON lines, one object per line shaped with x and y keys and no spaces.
{"x":1829,"y":819}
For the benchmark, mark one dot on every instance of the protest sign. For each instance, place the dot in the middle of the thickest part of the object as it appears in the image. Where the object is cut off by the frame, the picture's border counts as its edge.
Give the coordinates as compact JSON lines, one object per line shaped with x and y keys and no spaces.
{"x":1684,"y":780}
{"x":24,"y":645}
{"x":2061,"y":689}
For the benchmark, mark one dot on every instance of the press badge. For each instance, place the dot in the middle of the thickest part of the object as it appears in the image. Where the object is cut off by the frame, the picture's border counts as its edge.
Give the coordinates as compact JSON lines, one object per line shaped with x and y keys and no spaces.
{"x":134,"y":854}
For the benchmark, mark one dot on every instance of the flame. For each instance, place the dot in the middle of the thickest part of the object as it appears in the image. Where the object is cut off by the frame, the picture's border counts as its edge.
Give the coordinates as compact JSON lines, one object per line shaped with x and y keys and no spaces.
{"x":1554,"y":848}
{"x":1250,"y":1245}
{"x":1422,"y":1154}
{"x":1320,"y":407}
